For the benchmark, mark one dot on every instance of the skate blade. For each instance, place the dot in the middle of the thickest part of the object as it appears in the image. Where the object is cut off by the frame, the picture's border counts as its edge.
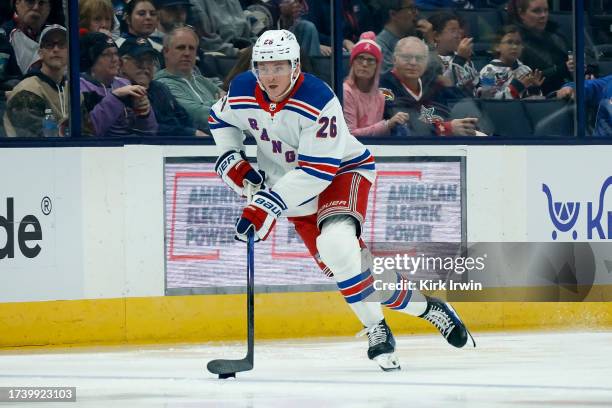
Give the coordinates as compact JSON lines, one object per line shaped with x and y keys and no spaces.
{"x":388,"y":362}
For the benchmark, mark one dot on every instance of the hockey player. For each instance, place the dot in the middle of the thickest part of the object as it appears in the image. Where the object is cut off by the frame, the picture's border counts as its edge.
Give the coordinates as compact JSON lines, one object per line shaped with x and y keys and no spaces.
{"x":317,"y":174}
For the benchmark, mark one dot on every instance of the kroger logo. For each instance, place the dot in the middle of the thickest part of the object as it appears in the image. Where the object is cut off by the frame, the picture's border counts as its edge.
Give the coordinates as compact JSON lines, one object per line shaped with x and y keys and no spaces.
{"x":565,"y":215}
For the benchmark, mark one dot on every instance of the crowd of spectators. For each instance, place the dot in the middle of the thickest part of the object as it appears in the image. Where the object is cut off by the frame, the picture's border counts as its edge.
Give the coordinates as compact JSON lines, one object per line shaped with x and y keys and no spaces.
{"x":154,"y":67}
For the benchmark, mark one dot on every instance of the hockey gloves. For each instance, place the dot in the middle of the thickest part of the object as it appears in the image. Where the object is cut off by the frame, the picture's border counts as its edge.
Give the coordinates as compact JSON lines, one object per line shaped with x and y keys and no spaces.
{"x":236,"y":172}
{"x":260,"y":216}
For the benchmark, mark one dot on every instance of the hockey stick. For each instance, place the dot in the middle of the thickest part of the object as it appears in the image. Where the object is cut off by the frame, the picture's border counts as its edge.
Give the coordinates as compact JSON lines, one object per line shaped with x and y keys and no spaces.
{"x":229,"y":368}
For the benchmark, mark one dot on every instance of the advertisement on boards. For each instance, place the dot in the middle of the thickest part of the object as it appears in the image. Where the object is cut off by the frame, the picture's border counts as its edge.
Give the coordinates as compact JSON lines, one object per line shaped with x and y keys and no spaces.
{"x":40,"y":225}
{"x":411,"y":201}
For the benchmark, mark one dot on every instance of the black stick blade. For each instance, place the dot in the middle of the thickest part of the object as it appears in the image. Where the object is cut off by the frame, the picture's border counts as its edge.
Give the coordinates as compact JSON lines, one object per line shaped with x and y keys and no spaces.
{"x":224,"y":367}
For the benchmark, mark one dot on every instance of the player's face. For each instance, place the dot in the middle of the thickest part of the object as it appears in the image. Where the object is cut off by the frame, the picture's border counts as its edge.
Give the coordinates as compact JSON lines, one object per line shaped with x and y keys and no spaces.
{"x":275,"y":76}
{"x":510,"y":48}
{"x":536,"y":15}
{"x":364,"y":66}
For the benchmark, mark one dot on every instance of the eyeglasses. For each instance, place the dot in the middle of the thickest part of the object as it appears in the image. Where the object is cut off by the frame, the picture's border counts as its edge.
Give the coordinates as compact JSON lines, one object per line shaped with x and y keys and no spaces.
{"x":40,"y":3}
{"x":511,"y":43}
{"x":406,"y":58}
{"x":62,"y":45}
{"x":365,"y":60}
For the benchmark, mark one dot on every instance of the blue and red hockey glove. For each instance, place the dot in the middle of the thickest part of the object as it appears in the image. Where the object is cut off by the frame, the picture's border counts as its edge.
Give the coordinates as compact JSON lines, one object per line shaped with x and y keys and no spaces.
{"x":260,"y":216}
{"x":236,"y":172}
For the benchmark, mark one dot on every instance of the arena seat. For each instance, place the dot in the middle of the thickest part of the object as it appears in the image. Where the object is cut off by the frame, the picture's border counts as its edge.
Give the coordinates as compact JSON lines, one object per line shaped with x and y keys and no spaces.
{"x":481,"y":24}
{"x":481,"y":61}
{"x":507,"y":118}
{"x":550,"y":117}
{"x":605,"y":67}
{"x":223,"y":65}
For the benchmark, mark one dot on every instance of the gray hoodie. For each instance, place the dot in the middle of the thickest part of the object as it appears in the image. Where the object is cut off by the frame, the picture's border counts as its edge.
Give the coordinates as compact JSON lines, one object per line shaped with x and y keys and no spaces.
{"x":196,"y":94}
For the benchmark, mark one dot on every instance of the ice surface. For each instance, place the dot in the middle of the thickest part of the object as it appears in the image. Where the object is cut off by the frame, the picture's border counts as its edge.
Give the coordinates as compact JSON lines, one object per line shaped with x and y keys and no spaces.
{"x":506,"y":370}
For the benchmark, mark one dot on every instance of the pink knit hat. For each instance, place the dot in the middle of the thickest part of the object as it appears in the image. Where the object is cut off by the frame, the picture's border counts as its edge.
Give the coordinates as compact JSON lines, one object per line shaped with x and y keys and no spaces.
{"x":367,"y":44}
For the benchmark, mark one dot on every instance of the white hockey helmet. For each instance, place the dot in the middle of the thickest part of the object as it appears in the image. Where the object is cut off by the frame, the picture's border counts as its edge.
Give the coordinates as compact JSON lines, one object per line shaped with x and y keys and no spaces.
{"x":277,"y":45}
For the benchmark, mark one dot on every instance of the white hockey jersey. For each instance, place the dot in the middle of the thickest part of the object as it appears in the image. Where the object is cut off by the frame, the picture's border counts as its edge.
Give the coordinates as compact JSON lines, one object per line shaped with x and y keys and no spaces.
{"x":460,"y":71}
{"x":302,"y":142}
{"x":499,"y":81}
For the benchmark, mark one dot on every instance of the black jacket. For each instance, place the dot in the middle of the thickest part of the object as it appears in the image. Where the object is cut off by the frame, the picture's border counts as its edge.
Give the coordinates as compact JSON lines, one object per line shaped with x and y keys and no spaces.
{"x":546,"y":51}
{"x":172,"y":118}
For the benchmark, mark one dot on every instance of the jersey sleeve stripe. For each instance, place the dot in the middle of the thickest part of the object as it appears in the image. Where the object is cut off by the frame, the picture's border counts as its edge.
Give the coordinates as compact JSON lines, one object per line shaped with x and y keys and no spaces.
{"x":366,"y":164}
{"x":317,"y":174}
{"x":304,"y":106}
{"x":321,"y":167}
{"x":300,"y":112}
{"x":357,"y":159}
{"x":245,"y":106}
{"x":313,"y":159}
{"x":242,"y":99}
{"x":215,"y":123}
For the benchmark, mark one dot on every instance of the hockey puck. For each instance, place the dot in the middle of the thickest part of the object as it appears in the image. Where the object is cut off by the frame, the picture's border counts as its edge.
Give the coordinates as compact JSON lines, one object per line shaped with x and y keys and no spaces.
{"x":227,"y":375}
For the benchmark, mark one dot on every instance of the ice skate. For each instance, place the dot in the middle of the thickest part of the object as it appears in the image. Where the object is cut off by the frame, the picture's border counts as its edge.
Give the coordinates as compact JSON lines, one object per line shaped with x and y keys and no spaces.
{"x":447,"y":321}
{"x":381,"y":346}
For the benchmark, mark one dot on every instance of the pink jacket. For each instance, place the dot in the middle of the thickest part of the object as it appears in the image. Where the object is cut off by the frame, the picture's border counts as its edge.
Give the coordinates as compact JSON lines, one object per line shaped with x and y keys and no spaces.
{"x":364,"y":111}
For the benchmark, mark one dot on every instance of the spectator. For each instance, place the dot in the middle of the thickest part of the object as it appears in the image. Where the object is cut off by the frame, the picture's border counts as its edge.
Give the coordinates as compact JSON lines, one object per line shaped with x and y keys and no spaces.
{"x":98,"y":15}
{"x":545,"y":48}
{"x":115,"y":107}
{"x":193,"y":91}
{"x":364,"y":103}
{"x":222,"y":25}
{"x":139,"y":63}
{"x":46,"y":87}
{"x":454,"y":51}
{"x":506,"y":77}
{"x":356,"y":16}
{"x":172,"y":14}
{"x":598,"y":94}
{"x":290,"y":18}
{"x":401,"y":21}
{"x":22,"y":34}
{"x":142,"y":19}
{"x":426,"y":104}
